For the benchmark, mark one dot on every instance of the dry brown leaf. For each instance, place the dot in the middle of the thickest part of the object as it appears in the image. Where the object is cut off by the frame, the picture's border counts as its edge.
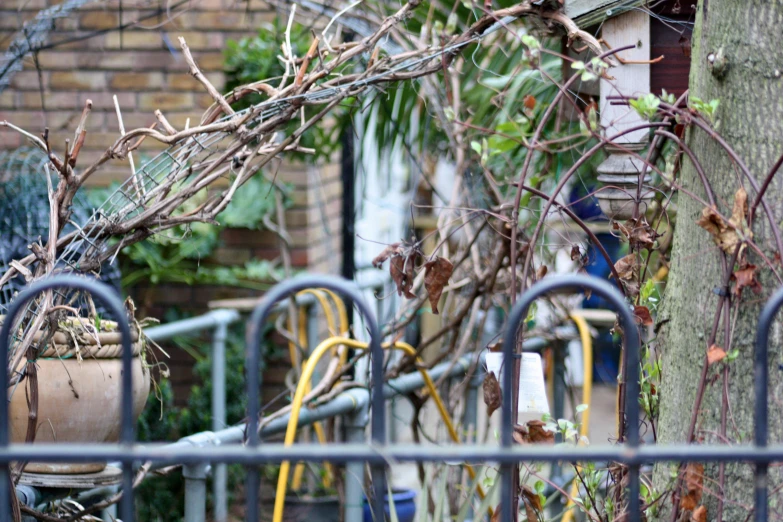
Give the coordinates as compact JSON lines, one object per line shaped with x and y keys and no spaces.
{"x":538,"y":434}
{"x":715,"y":354}
{"x":496,"y":515}
{"x":694,"y":480}
{"x":401,"y":271}
{"x":436,"y":276}
{"x":530,"y":101}
{"x":745,"y":277}
{"x":530,"y":513}
{"x":492,"y":396}
{"x":699,"y":514}
{"x":520,"y":434}
{"x":576,"y":254}
{"x":385,"y":254}
{"x":728,"y":235}
{"x":531,"y":497}
{"x":643,"y":316}
{"x":541,"y":272}
{"x":626,"y":267}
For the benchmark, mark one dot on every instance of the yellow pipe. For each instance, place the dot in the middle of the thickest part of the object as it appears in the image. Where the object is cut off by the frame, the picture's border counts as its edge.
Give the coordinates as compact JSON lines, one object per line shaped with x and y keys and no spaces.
{"x":307,"y":372}
{"x":587,"y":395}
{"x":296,"y":481}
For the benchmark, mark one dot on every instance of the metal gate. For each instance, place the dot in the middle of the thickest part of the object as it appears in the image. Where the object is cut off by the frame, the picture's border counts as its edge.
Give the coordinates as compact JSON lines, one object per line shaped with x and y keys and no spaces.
{"x":377,"y":452}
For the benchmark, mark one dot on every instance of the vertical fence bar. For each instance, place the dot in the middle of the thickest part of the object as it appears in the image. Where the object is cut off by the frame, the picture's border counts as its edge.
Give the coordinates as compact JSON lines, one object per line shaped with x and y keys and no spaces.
{"x":761,"y":383}
{"x":258,"y":318}
{"x":630,"y":372}
{"x":106,"y":295}
{"x":219,"y":480}
{"x":195,"y":492}
{"x":355,"y":426}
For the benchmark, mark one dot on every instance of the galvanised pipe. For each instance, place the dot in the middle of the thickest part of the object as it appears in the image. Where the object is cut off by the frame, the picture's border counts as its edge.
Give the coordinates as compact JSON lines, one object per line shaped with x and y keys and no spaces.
{"x":630,"y":372}
{"x":164,"y":454}
{"x":111,"y":300}
{"x":255,"y":333}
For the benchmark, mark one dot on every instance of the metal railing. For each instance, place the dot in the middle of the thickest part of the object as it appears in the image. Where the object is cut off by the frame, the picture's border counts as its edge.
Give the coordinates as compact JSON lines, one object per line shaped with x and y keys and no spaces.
{"x":377,"y":453}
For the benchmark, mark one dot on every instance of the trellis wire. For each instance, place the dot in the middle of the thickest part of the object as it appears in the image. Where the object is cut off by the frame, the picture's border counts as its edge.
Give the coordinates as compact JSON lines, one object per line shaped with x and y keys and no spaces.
{"x":138,"y":190}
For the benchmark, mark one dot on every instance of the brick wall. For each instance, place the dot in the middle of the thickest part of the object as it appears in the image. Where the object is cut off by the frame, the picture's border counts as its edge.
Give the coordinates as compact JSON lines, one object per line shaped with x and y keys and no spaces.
{"x":142,"y":65}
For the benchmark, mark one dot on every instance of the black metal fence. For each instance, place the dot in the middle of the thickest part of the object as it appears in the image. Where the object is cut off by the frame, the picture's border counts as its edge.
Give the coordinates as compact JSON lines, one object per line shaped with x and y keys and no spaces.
{"x":377,"y":453}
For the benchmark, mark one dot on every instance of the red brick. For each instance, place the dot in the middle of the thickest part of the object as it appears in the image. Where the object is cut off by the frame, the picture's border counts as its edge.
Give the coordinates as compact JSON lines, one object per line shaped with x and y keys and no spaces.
{"x":56,"y":100}
{"x":230,"y":256}
{"x":7,"y":100}
{"x":136,"y":81}
{"x":58,"y":60}
{"x":186,"y":82}
{"x":35,"y":121}
{"x":28,"y":81}
{"x":81,"y":81}
{"x":134,"y":40}
{"x":104,"y":101}
{"x":165,"y":101}
{"x":100,"y":20}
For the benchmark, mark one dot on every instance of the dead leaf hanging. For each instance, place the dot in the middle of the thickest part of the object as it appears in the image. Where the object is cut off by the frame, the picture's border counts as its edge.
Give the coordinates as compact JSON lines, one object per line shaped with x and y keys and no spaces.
{"x":492,"y":396}
{"x":626,"y":267}
{"x":385,"y":254}
{"x":436,"y":276}
{"x":728,"y":235}
{"x":642,"y":314}
{"x":745,"y":277}
{"x":532,"y":498}
{"x":539,"y":433}
{"x":402,"y":262}
{"x":699,"y":514}
{"x":694,"y":479}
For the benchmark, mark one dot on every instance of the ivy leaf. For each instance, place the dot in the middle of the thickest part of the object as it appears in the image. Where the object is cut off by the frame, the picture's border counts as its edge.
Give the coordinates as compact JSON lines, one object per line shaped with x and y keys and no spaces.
{"x":436,"y":276}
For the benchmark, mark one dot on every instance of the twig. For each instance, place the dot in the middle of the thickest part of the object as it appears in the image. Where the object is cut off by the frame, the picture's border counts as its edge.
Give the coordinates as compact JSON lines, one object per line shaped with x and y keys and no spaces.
{"x":197,"y":74}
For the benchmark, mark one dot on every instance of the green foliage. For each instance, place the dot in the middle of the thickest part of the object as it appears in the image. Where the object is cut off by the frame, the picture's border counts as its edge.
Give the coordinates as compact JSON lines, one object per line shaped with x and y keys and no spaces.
{"x":253,"y":59}
{"x":706,"y":109}
{"x":181,"y":254}
{"x":161,"y":498}
{"x":646,"y":106}
{"x":649,"y":382}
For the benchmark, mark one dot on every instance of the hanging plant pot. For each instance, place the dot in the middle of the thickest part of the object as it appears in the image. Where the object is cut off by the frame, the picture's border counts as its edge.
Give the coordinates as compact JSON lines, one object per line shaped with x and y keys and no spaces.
{"x":619,"y":177}
{"x":79,"y":392}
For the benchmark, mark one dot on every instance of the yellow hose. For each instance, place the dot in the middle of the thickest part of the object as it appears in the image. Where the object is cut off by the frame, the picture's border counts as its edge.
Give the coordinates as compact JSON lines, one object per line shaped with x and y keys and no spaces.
{"x":296,"y":405}
{"x":319,"y":294}
{"x":587,"y":392}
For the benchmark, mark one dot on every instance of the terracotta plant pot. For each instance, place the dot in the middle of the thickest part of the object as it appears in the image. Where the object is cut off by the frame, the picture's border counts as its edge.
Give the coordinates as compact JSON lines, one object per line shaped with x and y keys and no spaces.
{"x":79,"y":394}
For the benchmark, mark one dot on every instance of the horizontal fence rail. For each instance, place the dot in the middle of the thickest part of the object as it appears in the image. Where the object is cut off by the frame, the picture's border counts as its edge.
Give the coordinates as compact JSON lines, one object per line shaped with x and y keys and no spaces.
{"x":216,"y":447}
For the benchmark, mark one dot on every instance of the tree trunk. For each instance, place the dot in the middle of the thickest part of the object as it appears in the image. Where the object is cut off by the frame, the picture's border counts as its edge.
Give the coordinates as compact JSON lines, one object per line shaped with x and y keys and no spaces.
{"x":738,"y":59}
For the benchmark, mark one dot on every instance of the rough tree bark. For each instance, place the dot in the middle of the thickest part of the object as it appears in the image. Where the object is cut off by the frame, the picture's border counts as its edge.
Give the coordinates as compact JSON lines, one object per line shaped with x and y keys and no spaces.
{"x":738,"y":59}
